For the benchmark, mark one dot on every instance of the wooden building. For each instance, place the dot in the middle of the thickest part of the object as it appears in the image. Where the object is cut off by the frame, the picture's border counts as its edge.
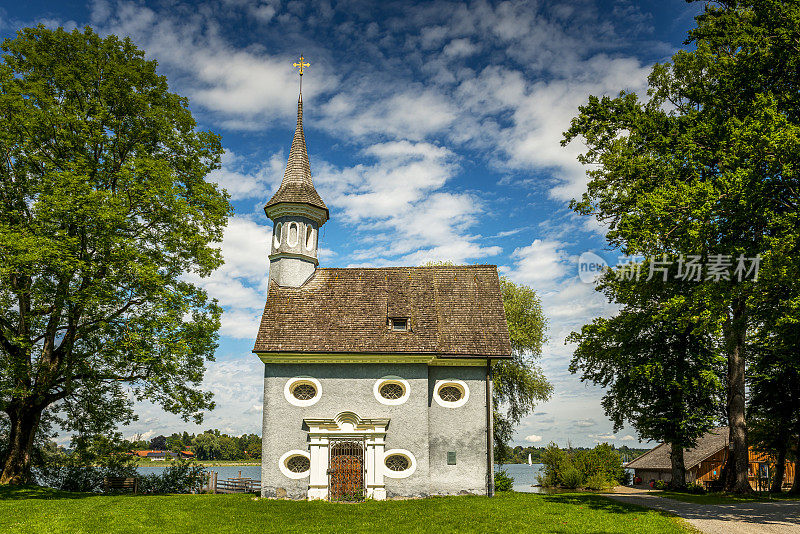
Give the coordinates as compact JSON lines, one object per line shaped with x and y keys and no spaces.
{"x":704,"y":463}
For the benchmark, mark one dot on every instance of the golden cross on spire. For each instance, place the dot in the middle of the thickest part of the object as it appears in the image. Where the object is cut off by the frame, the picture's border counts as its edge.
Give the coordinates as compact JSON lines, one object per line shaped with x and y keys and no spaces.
{"x":301,"y":65}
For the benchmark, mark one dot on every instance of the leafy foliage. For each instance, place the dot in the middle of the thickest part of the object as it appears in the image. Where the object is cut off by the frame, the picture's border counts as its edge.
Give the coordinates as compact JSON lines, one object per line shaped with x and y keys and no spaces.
{"x":519,"y":383}
{"x":502,"y":481}
{"x":106,"y":220}
{"x":210,"y":445}
{"x":657,"y":359}
{"x":597,"y":468}
{"x":178,"y":477}
{"x":707,"y":165}
{"x":571,"y":477}
{"x":84,"y":469}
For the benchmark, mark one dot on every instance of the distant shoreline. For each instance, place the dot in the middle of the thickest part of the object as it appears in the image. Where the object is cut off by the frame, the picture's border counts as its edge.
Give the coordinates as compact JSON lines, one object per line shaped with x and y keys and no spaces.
{"x":205,"y":463}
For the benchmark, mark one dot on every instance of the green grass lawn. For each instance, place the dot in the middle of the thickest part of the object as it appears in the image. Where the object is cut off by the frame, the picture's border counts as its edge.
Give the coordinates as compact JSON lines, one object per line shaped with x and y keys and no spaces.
{"x":46,"y":511}
{"x":727,"y":498}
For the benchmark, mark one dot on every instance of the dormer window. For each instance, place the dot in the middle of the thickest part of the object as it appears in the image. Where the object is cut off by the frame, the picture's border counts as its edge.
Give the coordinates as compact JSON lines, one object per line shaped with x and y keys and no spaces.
{"x":399,"y":324}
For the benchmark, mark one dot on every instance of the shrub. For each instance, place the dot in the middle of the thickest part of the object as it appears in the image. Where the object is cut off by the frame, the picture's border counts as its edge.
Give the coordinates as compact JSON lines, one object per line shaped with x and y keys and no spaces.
{"x":93,"y":459}
{"x":571,"y":478}
{"x":503,"y":482}
{"x":181,"y":476}
{"x":554,"y":462}
{"x":546,"y":480}
{"x":602,"y":461}
{"x":660,"y":485}
{"x":597,"y":482}
{"x":695,"y":488}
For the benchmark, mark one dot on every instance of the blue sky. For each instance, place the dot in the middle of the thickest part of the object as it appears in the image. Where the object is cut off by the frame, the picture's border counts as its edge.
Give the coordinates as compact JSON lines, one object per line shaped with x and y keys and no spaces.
{"x":433,"y":130}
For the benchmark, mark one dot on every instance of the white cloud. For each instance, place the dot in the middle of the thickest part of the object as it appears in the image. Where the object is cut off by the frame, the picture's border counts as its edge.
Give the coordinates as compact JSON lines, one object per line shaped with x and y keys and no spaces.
{"x":603,"y":436}
{"x":241,"y":184}
{"x":584,"y":423}
{"x":627,"y":437}
{"x":533,"y":438}
{"x":459,"y":48}
{"x":540,"y":264}
{"x":244,"y":86}
{"x":240,"y":284}
{"x":400,"y":208}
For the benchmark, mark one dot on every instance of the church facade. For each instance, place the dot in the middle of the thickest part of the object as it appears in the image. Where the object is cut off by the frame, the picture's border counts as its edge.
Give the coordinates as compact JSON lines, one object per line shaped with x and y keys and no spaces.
{"x":377,"y":381}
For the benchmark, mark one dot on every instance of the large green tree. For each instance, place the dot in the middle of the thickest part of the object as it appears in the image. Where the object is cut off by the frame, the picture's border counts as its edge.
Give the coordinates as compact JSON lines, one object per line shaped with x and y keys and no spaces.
{"x":774,"y":374}
{"x":519,"y":383}
{"x":104,"y":212}
{"x":657,"y":360}
{"x":707,"y":166}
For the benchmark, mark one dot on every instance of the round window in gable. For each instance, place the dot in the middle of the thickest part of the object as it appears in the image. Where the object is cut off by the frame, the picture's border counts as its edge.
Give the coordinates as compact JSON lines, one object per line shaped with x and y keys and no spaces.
{"x":451,"y":393}
{"x":302,"y":391}
{"x":391,"y":390}
{"x":399,"y":463}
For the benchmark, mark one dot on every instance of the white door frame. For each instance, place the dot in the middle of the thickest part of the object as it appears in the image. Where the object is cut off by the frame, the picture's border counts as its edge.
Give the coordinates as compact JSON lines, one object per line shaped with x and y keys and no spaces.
{"x":347,"y":425}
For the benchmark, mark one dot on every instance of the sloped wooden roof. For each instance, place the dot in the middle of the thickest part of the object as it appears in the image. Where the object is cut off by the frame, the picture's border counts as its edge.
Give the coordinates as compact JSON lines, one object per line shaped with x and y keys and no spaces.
{"x":452,"y":311}
{"x":297,"y":185}
{"x":707,"y":445}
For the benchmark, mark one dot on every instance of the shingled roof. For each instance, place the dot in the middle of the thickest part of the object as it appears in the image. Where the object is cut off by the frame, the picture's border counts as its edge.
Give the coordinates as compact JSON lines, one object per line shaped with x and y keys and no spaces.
{"x":452,"y":312}
{"x":297,"y":185}
{"x":658,"y":458}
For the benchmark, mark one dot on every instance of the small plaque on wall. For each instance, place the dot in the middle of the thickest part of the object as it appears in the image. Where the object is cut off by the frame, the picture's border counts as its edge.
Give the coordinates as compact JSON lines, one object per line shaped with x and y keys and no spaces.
{"x":451,"y":457}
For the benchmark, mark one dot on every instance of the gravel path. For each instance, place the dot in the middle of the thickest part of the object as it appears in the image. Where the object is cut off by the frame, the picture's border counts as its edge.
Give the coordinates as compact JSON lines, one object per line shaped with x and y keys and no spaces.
{"x":774,"y":517}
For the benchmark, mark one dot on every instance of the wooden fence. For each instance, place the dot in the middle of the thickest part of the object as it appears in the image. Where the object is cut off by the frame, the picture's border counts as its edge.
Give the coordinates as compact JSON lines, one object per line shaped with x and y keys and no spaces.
{"x":232,"y":485}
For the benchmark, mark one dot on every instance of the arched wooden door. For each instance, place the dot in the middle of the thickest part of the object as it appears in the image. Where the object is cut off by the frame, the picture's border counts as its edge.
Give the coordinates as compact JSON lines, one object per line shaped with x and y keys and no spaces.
{"x":346,"y":470}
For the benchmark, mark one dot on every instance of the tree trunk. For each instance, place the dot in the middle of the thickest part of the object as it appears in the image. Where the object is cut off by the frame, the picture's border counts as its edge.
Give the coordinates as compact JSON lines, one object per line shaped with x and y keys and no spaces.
{"x":795,"y":489}
{"x":24,"y":417}
{"x":737,"y":481}
{"x":780,"y":470}
{"x":678,"y":481}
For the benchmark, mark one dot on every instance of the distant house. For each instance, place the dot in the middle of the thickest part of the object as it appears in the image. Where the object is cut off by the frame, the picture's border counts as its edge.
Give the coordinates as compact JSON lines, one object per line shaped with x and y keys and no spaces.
{"x":704,"y":463}
{"x":159,"y":456}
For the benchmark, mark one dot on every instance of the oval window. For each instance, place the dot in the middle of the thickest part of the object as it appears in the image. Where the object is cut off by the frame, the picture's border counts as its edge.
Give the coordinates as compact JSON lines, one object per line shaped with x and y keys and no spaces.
{"x":392,"y":391}
{"x":304,"y":391}
{"x":292,"y":240}
{"x":397,"y":462}
{"x":277,"y":236}
{"x":309,"y":237}
{"x":451,"y":393}
{"x":298,"y":464}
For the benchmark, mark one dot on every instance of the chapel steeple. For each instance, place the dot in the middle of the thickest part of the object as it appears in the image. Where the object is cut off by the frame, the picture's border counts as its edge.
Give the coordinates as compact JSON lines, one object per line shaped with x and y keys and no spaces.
{"x":297,"y":212}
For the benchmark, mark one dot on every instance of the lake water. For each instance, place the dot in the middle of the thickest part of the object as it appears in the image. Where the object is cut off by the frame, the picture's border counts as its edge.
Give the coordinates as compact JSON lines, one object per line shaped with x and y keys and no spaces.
{"x":524,"y":475}
{"x":223,"y":471}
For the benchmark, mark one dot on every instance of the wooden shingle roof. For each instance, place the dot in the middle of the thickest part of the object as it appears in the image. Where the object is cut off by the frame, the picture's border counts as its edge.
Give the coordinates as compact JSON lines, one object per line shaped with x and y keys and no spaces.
{"x":707,"y":445}
{"x":297,"y":186}
{"x":452,"y":311}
